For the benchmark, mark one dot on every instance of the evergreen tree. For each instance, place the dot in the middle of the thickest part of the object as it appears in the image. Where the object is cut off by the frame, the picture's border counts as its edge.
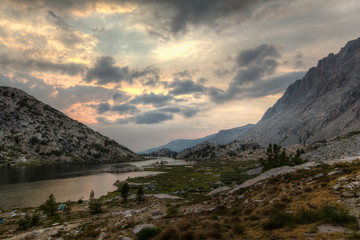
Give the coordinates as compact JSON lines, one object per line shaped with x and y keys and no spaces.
{"x":125,"y":191}
{"x":140,"y":194}
{"x":94,"y":204}
{"x":50,"y":206}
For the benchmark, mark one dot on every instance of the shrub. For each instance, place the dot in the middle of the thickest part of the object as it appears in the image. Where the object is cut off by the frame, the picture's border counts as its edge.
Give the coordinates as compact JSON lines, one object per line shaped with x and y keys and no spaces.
{"x":50,"y":206}
{"x":94,"y":204}
{"x":148,"y":233}
{"x":125,"y":191}
{"x":140,"y":196}
{"x":169,"y":233}
{"x":327,"y":213}
{"x":27,"y":222}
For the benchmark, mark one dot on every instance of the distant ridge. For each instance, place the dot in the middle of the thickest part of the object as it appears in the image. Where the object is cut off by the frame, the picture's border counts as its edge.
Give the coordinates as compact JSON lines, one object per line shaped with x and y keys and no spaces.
{"x":33,"y":132}
{"x":222,"y":137}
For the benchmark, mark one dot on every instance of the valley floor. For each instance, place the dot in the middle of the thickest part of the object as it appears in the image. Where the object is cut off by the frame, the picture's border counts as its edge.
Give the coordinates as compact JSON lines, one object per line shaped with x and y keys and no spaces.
{"x":316,"y":200}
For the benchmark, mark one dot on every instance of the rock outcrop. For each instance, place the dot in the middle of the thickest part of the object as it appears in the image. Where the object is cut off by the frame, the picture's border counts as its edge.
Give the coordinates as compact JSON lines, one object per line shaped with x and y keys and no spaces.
{"x":31,"y":131}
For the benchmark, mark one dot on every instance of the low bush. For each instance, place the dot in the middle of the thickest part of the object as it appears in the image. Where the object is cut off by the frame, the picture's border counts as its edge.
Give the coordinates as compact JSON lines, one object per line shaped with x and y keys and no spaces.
{"x":327,"y":213}
{"x":148,"y":233}
{"x":28,"y":222}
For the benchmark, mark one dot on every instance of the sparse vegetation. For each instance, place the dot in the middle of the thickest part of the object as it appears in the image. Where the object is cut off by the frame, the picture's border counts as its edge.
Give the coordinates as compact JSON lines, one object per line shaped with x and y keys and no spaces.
{"x":277,"y":157}
{"x":94,"y":204}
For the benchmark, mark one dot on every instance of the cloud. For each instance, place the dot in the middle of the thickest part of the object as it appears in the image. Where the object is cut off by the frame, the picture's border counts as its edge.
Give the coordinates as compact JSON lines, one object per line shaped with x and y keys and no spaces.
{"x":187,"y":112}
{"x":256,"y":55}
{"x":252,"y":66}
{"x":190,"y":112}
{"x":298,"y":60}
{"x":182,"y":74}
{"x":105,"y":71}
{"x":162,"y":16}
{"x":25,"y":64}
{"x":121,"y":108}
{"x":152,"y":117}
{"x":261,"y":89}
{"x":124,"y":108}
{"x":181,"y":87}
{"x":159,"y":100}
{"x":103,"y":107}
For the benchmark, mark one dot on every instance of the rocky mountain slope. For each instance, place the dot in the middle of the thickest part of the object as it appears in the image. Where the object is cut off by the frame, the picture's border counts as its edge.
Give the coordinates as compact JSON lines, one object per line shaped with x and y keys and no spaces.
{"x":235,"y":150}
{"x":31,"y":131}
{"x":322,"y":105}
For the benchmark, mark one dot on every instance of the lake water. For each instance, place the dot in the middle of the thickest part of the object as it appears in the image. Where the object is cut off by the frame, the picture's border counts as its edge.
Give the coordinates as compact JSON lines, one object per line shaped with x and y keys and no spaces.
{"x":32,"y":185}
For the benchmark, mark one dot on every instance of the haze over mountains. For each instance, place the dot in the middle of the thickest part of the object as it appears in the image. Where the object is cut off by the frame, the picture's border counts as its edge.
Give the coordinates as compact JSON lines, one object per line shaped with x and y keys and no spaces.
{"x":322,"y":105}
{"x":31,"y":131}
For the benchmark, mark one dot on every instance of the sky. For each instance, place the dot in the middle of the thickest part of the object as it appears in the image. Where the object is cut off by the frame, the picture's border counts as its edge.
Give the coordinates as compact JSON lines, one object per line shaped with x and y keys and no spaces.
{"x":145,"y":72}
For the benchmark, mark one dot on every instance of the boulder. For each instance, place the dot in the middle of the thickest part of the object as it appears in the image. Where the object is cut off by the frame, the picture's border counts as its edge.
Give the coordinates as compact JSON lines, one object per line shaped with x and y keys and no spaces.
{"x":140,"y":227}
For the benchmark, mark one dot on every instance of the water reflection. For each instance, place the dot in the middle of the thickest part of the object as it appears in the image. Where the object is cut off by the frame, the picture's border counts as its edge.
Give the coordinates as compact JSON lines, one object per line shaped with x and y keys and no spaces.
{"x":31,"y":186}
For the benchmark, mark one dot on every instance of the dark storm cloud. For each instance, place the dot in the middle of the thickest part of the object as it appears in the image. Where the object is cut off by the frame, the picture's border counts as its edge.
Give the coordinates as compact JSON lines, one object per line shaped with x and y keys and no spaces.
{"x":121,"y":108}
{"x":180,"y":87}
{"x":174,"y":16}
{"x":124,"y":108}
{"x":253,"y":65}
{"x":171,"y":109}
{"x":152,"y":117}
{"x":261,"y":89}
{"x":152,"y":99}
{"x":256,"y":55}
{"x":186,"y":112}
{"x":24,"y":64}
{"x":103,"y":107}
{"x":256,"y":72}
{"x":105,"y":71}
{"x":190,"y":112}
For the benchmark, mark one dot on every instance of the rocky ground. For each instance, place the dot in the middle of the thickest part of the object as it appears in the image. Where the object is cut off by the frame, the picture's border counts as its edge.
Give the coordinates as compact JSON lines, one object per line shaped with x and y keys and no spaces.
{"x":215,"y":199}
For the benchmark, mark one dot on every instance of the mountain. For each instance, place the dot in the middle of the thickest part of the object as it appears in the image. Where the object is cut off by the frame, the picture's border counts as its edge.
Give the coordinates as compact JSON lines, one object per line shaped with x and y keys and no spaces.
{"x":31,"y":131}
{"x":164,"y":152}
{"x":222,"y":137}
{"x":322,"y":105}
{"x":177,"y":145}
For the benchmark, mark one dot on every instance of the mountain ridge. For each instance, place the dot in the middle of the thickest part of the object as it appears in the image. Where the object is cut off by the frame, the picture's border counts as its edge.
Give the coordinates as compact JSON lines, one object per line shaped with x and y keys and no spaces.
{"x":34,"y":132}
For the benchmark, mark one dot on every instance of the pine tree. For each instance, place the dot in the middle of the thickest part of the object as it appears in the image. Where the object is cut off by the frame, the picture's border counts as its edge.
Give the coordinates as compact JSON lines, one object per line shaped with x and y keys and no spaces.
{"x":125,"y":191}
{"x":50,"y":206}
{"x":140,"y":194}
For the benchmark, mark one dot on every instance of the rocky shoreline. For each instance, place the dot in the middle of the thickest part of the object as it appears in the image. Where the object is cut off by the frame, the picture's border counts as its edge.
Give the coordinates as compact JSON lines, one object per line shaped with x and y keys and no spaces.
{"x":122,"y":168}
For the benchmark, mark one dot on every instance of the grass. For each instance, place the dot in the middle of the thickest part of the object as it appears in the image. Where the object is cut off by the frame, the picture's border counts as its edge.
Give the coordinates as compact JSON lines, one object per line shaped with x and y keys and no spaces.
{"x":326,"y":213}
{"x":199,"y":179}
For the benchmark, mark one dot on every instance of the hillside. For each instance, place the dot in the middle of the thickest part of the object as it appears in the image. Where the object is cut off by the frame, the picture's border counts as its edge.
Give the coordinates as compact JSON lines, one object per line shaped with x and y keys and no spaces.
{"x":33,"y":132}
{"x":233,"y":150}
